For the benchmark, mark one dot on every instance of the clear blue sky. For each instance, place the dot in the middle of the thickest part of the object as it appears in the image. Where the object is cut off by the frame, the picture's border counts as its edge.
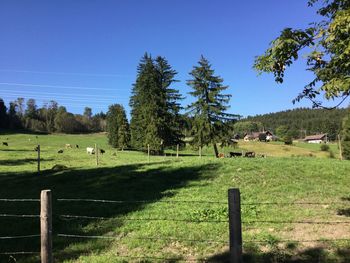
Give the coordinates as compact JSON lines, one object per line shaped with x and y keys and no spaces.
{"x":85,"y":52}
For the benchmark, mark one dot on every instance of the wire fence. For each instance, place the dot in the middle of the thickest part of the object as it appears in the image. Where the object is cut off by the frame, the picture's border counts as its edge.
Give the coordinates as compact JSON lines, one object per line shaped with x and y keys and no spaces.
{"x":245,"y":224}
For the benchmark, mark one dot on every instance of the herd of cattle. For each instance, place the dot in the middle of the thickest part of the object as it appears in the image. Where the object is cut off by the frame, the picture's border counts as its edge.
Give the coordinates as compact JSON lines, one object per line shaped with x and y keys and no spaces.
{"x":89,"y":150}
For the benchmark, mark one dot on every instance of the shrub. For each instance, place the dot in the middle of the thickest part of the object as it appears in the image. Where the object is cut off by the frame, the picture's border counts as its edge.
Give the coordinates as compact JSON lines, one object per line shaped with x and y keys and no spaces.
{"x":288,"y":140}
{"x":324,"y":147}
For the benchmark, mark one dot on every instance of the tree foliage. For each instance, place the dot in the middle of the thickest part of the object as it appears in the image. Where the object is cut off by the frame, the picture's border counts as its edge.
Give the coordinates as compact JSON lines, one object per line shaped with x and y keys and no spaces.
{"x":117,"y":127}
{"x":154,"y":106}
{"x":345,"y":137}
{"x":209,"y":108}
{"x":329,"y":42}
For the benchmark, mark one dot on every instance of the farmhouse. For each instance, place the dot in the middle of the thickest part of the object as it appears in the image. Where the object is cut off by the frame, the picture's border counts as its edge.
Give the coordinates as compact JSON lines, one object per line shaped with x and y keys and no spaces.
{"x":254,"y":136}
{"x":318,"y":138}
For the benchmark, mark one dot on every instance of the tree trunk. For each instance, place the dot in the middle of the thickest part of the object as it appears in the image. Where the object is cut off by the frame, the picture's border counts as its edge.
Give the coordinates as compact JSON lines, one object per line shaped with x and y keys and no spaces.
{"x":216,"y":150}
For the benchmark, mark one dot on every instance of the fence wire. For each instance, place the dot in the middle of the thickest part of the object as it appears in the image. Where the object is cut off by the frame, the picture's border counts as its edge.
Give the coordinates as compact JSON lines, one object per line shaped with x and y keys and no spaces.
{"x":142,"y":219}
{"x":297,"y":222}
{"x":19,"y":200}
{"x":144,"y":238}
{"x":23,"y":216}
{"x":19,"y":237}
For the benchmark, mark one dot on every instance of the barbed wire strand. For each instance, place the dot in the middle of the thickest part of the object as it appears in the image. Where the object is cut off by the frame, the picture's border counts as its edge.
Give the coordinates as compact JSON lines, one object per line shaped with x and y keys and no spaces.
{"x":297,"y":222}
{"x":301,"y":241}
{"x":18,"y":253}
{"x":9,"y":215}
{"x":19,"y":237}
{"x":144,"y":238}
{"x":19,"y":200}
{"x":138,"y":201}
{"x":142,"y":219}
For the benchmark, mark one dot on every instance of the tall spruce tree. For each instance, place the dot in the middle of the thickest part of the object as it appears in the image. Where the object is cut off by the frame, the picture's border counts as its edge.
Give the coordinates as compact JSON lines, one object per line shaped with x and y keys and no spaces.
{"x":117,"y":127}
{"x":209,"y":108}
{"x":154,"y":106}
{"x":3,"y":114}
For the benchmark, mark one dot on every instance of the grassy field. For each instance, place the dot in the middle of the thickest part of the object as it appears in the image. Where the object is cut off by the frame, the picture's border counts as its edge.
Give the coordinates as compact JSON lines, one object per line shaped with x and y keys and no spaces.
{"x":289,"y":174}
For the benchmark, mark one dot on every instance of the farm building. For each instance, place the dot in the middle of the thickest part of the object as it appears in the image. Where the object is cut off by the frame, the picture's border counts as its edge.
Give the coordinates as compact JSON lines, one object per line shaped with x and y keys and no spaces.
{"x":318,"y":138}
{"x":254,"y":136}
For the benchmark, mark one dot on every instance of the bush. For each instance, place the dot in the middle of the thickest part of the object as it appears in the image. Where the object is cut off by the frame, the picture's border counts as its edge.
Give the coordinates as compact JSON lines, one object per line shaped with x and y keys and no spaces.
{"x":288,"y":140}
{"x":324,"y":147}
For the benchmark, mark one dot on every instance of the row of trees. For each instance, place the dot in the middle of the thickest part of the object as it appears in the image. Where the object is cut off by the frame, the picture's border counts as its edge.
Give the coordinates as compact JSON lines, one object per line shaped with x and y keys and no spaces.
{"x":155,"y":109}
{"x":51,"y":117}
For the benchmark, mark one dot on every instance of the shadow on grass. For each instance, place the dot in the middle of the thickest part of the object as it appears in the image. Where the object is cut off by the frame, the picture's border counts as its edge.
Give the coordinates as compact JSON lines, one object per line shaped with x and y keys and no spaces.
{"x":15,"y":162}
{"x":291,"y":254}
{"x":129,"y":182}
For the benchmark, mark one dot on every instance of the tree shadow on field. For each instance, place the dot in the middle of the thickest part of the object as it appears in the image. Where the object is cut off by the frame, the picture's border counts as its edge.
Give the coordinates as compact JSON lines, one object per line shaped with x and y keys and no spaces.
{"x":128,"y":182}
{"x":290,"y":254}
{"x":344,"y":211}
{"x":22,"y":161}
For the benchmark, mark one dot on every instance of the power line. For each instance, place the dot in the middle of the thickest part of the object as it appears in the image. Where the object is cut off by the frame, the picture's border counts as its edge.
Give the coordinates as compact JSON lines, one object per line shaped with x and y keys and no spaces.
{"x":52,"y":86}
{"x":66,"y":73}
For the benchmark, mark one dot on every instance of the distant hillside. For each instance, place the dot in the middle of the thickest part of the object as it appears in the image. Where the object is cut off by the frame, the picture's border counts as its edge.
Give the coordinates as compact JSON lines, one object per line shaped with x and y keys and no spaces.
{"x":303,"y":121}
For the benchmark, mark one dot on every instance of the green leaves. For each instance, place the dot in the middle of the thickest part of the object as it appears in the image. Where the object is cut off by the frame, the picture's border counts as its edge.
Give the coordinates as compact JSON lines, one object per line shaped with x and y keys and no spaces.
{"x":329,"y":58}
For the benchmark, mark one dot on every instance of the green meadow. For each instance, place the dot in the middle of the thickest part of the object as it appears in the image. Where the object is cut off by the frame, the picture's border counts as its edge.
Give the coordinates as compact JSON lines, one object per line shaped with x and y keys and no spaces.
{"x":285,"y":198}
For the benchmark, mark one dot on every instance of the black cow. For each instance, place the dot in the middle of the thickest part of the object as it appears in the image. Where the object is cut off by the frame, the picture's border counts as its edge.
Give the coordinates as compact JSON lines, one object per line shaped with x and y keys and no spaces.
{"x":5,"y":144}
{"x":76,"y":146}
{"x":102,"y":151}
{"x":60,"y":151}
{"x":234,"y":154}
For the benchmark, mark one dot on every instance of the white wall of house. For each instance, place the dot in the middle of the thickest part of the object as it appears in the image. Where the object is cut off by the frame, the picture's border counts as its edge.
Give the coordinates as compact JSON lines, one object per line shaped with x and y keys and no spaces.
{"x":315,"y":141}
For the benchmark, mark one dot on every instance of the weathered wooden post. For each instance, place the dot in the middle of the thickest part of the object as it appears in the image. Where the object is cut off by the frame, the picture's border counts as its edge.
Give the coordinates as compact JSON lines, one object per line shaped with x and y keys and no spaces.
{"x":200,"y":151}
{"x":46,"y":226}
{"x":148,"y":152}
{"x":96,"y":153}
{"x":234,"y":209}
{"x":340,"y":150}
{"x":38,"y":147}
{"x":177,"y":151}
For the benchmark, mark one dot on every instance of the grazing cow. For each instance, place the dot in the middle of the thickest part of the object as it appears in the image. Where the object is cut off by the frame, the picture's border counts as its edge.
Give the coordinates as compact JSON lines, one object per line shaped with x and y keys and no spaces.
{"x":221,"y":155}
{"x":76,"y":146}
{"x":102,"y":151}
{"x":90,"y":150}
{"x":249,"y":154}
{"x":234,"y":154}
{"x":60,"y":151}
{"x":5,"y":144}
{"x":68,"y":145}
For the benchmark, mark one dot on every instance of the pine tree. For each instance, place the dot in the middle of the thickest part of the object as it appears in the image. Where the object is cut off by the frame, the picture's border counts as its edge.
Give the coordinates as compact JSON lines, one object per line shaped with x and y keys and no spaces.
{"x":345,"y":137}
{"x":117,"y":127}
{"x":154,"y":106}
{"x":209,"y":108}
{"x":3,"y":114}
{"x":170,"y":105}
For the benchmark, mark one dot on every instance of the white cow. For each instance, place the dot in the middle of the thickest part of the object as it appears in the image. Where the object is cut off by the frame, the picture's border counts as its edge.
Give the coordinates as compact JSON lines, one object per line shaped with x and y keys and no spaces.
{"x":90,"y":150}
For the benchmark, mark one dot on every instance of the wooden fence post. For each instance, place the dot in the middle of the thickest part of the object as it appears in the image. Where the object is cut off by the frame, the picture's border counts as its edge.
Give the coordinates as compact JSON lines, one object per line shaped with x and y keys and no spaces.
{"x":177,"y":151}
{"x":234,"y":209}
{"x":38,"y":158}
{"x":200,"y":151}
{"x":96,"y":153}
{"x":148,"y":152}
{"x":46,"y":226}
{"x":340,"y":150}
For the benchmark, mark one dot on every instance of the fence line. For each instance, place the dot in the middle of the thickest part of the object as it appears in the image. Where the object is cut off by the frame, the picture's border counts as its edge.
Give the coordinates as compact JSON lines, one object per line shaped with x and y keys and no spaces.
{"x":142,"y":219}
{"x":296,"y":241}
{"x":196,"y":201}
{"x":23,"y":216}
{"x":19,"y":200}
{"x":139,"y":201}
{"x":18,"y":253}
{"x":298,"y":222}
{"x":144,"y":238}
{"x":19,"y":237}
